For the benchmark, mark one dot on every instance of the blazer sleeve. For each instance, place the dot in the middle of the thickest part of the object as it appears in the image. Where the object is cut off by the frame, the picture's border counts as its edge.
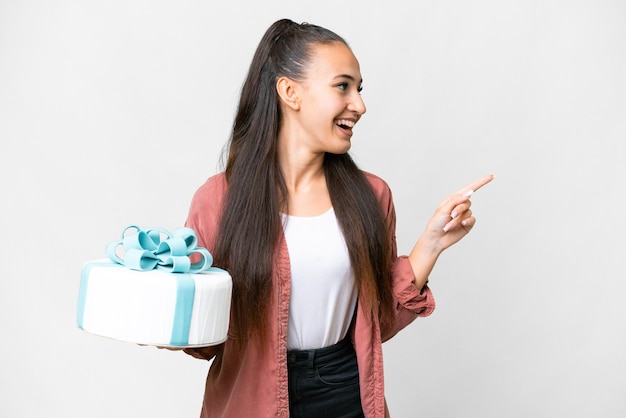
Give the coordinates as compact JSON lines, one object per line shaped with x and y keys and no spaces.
{"x":410,"y":302}
{"x":203,"y":218}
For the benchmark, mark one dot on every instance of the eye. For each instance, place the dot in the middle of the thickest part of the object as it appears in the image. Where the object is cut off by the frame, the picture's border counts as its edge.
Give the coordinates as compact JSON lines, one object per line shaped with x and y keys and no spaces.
{"x":344,"y":86}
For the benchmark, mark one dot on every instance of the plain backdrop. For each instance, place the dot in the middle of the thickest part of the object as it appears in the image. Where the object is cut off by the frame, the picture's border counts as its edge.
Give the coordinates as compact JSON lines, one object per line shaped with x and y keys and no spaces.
{"x":114,"y":112}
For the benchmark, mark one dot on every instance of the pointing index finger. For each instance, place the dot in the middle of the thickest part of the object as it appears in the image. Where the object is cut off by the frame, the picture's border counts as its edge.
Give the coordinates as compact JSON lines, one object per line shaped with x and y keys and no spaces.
{"x":476,"y":184}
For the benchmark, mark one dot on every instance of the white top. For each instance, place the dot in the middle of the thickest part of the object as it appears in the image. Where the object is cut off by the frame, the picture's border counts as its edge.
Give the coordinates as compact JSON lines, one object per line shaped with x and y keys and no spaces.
{"x":323,"y":291}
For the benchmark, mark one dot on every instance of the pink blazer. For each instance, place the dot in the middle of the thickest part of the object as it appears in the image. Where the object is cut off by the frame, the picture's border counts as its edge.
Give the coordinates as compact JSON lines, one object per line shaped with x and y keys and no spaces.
{"x":254,"y":384}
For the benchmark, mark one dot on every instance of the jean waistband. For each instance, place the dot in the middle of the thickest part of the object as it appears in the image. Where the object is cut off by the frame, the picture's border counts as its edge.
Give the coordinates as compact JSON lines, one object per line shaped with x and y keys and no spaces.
{"x":320,"y":354}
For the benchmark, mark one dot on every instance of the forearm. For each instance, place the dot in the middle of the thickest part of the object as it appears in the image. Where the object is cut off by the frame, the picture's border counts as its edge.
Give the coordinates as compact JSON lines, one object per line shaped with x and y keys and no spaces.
{"x":423,"y":258}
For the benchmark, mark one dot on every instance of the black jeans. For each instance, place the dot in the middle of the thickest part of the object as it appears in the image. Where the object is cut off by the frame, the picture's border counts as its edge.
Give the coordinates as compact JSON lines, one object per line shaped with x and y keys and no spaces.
{"x":324,"y":382}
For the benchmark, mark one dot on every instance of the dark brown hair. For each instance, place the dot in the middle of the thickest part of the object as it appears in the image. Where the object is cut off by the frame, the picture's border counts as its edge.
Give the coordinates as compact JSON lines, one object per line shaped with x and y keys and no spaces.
{"x":250,"y":227}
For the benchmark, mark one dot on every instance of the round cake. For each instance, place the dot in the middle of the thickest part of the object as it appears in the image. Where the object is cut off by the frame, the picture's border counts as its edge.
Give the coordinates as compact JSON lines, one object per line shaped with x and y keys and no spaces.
{"x":156,"y":304}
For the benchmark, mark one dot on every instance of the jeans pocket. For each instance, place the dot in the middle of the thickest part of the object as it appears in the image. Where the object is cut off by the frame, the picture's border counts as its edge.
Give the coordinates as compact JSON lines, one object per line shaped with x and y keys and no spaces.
{"x":343,"y":372}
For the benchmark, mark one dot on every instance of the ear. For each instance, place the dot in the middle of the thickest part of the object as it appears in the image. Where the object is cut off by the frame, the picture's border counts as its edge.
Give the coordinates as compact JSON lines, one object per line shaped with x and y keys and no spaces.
{"x":288,"y":92}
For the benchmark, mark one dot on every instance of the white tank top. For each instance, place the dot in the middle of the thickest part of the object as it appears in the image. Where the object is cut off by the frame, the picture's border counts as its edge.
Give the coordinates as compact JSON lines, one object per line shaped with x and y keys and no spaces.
{"x":323,"y":291}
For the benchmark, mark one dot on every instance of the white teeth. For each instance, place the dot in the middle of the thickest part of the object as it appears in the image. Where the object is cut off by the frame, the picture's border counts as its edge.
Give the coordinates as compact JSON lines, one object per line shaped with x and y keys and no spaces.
{"x":345,"y":122}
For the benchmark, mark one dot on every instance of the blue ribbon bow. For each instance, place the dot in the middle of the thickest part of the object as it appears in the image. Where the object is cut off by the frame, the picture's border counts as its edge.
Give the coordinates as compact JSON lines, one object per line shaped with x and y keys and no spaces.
{"x":156,"y":248}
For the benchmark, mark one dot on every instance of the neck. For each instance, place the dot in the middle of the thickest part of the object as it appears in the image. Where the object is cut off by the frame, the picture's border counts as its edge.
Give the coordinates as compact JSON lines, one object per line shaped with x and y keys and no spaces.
{"x":305,"y":179}
{"x":300,"y":167}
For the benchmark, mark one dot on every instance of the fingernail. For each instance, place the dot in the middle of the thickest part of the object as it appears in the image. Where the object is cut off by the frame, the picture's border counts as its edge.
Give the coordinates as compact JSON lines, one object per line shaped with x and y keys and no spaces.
{"x":468,"y":193}
{"x":445,"y":228}
{"x":453,"y":215}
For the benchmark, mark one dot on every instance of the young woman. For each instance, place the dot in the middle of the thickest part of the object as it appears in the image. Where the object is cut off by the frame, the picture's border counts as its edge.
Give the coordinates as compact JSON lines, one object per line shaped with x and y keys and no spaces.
{"x":309,"y":240}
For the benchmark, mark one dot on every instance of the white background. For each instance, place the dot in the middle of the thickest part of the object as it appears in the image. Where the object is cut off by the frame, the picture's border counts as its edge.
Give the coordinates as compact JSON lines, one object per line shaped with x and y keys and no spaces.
{"x":113,"y":112}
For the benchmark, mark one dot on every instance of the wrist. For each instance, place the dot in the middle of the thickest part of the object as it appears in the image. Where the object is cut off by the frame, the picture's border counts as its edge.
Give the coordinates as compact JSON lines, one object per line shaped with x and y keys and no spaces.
{"x":423,"y":258}
{"x":427,"y":247}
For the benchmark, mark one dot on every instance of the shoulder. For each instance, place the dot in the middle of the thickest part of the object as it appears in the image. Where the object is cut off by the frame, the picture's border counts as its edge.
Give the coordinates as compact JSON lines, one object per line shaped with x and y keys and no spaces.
{"x":209,"y":196}
{"x":375,"y":180}
{"x":380,"y":187}
{"x":214,"y":184}
{"x":211,"y":192}
{"x":206,"y":207}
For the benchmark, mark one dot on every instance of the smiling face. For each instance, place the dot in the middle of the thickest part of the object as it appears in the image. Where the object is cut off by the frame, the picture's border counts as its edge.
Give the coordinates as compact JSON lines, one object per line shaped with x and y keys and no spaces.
{"x":329,"y":100}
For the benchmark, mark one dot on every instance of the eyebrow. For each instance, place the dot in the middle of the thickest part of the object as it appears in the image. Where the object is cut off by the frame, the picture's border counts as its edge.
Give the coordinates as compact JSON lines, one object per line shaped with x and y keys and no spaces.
{"x":349,"y":77}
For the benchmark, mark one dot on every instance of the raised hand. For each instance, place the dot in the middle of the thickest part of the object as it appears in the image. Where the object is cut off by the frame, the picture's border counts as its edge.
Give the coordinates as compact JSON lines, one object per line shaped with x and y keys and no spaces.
{"x":452,"y":220}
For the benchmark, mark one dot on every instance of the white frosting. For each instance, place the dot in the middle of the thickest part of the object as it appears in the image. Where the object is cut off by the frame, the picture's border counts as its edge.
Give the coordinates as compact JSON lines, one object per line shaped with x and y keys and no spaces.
{"x":139,"y":307}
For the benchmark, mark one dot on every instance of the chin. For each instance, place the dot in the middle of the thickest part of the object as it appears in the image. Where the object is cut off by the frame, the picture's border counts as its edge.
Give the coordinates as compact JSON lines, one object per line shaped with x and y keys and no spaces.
{"x":340,"y":149}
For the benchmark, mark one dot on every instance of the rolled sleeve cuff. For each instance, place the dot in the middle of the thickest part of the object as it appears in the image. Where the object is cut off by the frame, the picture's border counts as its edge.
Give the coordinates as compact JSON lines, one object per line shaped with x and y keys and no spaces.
{"x":419,"y":301}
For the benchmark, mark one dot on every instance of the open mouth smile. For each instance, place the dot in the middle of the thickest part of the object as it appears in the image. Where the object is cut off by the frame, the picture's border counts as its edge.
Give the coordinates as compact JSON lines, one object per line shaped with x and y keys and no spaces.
{"x":345,"y":124}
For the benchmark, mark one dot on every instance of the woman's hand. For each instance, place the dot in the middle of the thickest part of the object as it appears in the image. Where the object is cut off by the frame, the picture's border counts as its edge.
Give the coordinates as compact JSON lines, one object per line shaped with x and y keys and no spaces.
{"x":452,"y":220}
{"x":203,"y":353}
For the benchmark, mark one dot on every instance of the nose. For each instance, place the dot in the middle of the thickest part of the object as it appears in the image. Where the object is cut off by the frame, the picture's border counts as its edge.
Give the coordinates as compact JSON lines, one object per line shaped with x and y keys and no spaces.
{"x":357,"y":104}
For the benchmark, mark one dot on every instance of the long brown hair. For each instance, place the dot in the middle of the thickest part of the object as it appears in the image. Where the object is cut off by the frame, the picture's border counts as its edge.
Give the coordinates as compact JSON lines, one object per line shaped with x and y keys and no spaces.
{"x":250,"y":227}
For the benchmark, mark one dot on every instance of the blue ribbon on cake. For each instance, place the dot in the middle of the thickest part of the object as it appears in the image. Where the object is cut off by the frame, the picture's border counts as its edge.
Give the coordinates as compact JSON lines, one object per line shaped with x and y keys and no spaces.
{"x":156,"y":248}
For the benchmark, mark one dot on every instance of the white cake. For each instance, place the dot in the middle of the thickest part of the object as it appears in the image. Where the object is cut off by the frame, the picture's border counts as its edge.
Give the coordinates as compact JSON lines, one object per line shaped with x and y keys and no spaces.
{"x":156,"y":306}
